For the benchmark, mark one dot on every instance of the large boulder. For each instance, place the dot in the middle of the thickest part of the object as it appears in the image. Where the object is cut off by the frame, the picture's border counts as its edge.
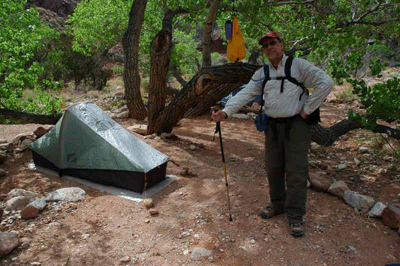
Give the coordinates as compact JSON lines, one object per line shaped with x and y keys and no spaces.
{"x":8,"y":241}
{"x":391,"y":215}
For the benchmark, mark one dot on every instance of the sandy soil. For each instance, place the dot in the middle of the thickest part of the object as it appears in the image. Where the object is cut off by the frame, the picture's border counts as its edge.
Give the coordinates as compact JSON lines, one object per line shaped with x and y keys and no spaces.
{"x":106,"y":229}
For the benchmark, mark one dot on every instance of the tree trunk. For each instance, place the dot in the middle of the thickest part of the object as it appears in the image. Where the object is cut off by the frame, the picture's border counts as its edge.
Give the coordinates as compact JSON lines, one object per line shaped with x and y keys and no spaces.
{"x":160,"y":56}
{"x":130,"y":43}
{"x":326,"y":136}
{"x":207,"y":33}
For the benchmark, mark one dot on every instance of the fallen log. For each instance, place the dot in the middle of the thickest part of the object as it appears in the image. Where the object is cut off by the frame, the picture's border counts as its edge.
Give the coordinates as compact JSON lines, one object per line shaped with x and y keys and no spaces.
{"x":25,"y":118}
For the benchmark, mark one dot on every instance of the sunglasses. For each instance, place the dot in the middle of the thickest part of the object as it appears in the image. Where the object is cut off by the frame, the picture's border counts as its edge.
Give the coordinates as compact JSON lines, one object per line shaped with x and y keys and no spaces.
{"x":266,"y":45}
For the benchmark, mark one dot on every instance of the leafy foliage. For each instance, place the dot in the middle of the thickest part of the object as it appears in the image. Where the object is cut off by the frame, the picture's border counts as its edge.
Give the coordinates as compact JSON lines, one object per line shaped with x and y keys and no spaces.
{"x":97,"y":25}
{"x":23,"y":35}
{"x":382,"y":101}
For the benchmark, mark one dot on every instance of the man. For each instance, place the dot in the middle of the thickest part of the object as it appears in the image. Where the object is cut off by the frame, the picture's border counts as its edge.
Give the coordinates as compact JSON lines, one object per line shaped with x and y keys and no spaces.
{"x":288,"y":138}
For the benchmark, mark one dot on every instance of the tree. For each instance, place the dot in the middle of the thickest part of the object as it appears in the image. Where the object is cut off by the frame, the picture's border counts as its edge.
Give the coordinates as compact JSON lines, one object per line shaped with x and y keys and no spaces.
{"x":160,"y":56}
{"x":207,"y":32}
{"x":96,"y":25}
{"x":317,"y":22}
{"x":23,"y":35}
{"x":332,"y":34}
{"x":130,"y":42}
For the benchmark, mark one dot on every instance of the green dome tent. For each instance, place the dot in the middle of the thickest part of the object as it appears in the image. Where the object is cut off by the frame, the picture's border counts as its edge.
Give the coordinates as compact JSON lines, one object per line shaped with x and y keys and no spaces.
{"x":86,"y":143}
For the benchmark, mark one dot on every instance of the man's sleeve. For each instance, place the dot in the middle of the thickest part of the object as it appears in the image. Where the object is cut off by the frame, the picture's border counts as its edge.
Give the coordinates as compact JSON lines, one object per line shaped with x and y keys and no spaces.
{"x":248,"y":93}
{"x":314,"y":77}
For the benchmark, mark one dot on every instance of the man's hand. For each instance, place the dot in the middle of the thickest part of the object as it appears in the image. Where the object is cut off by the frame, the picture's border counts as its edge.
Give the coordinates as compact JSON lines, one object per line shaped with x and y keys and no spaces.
{"x":219,"y":116}
{"x":303,"y":114}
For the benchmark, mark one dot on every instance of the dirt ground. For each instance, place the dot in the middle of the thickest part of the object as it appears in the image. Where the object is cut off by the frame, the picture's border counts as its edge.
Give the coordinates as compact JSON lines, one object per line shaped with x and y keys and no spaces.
{"x":105,"y":229}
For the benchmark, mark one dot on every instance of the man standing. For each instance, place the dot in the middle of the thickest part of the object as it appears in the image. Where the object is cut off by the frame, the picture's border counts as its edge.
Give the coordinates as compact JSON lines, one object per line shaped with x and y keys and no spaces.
{"x":288,"y":138}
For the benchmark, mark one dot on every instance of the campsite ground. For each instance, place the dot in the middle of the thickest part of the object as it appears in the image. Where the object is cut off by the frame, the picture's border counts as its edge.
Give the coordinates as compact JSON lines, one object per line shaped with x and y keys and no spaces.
{"x":105,"y":229}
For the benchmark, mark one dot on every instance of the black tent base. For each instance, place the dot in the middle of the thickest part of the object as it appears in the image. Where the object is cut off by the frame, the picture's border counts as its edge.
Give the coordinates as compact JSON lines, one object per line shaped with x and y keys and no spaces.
{"x":133,"y":181}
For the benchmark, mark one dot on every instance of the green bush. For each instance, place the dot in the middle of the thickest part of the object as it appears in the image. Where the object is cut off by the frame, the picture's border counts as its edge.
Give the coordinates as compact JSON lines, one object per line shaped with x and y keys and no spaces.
{"x":23,"y":38}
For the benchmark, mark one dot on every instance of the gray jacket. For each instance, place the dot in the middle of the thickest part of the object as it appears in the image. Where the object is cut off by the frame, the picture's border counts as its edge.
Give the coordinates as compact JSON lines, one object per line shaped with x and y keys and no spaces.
{"x":286,"y":103}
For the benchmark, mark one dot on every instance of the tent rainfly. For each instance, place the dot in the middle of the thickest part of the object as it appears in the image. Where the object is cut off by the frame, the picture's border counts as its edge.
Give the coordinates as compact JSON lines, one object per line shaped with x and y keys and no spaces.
{"x":86,"y":143}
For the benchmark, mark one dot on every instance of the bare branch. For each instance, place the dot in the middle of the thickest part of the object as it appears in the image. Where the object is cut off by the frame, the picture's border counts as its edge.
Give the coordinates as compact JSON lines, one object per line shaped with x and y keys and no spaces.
{"x":267,"y":26}
{"x":355,"y":20}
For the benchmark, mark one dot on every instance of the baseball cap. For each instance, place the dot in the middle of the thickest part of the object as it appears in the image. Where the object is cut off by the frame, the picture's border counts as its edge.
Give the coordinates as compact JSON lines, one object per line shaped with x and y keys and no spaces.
{"x":271,"y":34}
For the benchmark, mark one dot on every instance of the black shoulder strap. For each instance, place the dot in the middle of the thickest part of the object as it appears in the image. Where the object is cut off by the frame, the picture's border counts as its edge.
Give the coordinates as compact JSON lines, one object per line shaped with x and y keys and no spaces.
{"x":266,"y":74}
{"x":266,"y":78}
{"x":288,"y":70}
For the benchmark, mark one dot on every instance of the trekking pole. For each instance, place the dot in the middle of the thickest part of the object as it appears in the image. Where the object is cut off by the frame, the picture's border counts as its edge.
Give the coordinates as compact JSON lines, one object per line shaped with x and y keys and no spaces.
{"x":218,"y":129}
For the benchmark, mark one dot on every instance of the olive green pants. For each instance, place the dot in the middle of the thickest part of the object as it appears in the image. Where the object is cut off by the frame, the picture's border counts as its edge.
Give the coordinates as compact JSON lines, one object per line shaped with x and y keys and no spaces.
{"x":287,"y":142}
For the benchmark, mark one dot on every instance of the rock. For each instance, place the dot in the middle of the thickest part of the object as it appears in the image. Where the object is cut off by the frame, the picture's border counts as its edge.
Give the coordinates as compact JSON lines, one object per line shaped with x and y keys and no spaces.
{"x":66,"y":194}
{"x":358,"y":201}
{"x":154,"y":212}
{"x":40,"y":131}
{"x":29,"y":212}
{"x":119,"y":94}
{"x":138,"y":129}
{"x":8,"y":241}
{"x":25,"y":144}
{"x":198,"y":253}
{"x":377,"y":210}
{"x":40,"y":204}
{"x":25,"y":242}
{"x":397,"y":199}
{"x":3,"y":157}
{"x":8,"y":147}
{"x":123,"y":115}
{"x":21,"y":137}
{"x":323,"y":166}
{"x":338,"y":188}
{"x":125,"y":259}
{"x":171,"y":136}
{"x":363,"y":149}
{"x":148,"y":203}
{"x":319,"y":181}
{"x":391,"y":215}
{"x":16,"y":192}
{"x":2,"y":172}
{"x":55,"y":225}
{"x":17,"y":203}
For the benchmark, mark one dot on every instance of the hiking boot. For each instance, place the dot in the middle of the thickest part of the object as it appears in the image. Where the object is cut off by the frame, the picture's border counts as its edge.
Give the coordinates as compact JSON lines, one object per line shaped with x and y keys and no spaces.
{"x":297,"y":229}
{"x":270,"y":212}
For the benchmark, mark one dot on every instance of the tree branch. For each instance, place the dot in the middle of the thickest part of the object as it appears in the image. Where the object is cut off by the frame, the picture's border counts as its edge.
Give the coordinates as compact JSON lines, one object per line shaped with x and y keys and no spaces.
{"x":391,"y":132}
{"x":177,"y":75}
{"x":358,"y":20}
